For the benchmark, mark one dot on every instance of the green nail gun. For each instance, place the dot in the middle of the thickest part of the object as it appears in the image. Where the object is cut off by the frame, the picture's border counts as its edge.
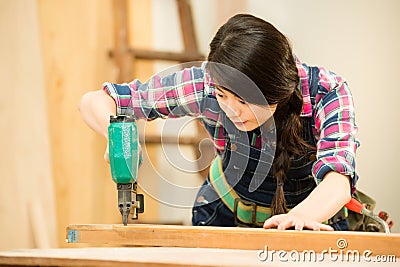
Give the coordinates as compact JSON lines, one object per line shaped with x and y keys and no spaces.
{"x":125,"y":159}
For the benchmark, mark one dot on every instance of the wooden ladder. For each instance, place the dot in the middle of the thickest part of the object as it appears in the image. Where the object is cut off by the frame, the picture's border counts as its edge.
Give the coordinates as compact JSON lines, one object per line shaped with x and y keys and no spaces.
{"x":124,"y":55}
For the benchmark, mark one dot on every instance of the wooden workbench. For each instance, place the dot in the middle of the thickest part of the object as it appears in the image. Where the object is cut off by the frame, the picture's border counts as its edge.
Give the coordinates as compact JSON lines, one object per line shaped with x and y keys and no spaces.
{"x":160,"y":245}
{"x":166,"y":257}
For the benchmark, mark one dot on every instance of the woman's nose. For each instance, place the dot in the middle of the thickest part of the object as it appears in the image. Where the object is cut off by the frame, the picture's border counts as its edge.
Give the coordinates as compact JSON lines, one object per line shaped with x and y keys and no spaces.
{"x":233,"y":109}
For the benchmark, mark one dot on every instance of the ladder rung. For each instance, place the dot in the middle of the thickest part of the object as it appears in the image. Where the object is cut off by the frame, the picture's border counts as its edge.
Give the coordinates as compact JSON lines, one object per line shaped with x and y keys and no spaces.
{"x":163,"y":55}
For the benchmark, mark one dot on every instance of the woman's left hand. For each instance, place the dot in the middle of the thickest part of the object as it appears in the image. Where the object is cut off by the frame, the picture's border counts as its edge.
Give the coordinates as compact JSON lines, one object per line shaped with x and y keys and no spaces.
{"x":285,"y":221}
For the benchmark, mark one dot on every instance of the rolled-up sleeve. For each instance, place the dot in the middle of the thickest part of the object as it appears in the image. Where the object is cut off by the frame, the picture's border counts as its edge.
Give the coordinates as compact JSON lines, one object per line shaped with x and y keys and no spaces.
{"x":335,"y":128}
{"x":176,"y":95}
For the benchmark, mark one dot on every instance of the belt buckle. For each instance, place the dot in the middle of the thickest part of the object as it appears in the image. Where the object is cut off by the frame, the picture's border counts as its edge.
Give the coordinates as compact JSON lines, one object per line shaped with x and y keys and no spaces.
{"x":253,"y":205}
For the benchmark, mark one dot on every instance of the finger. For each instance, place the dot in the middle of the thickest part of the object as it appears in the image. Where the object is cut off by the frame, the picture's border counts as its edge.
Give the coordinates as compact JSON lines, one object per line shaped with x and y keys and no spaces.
{"x":106,"y":157}
{"x":316,"y":226}
{"x":322,"y":227}
{"x":312,"y":225}
{"x":271,"y":222}
{"x":299,"y":225}
{"x":286,"y":224}
{"x":106,"y":154}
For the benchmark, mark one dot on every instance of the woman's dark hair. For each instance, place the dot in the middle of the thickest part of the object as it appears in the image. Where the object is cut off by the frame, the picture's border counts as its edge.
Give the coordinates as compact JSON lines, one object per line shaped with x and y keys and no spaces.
{"x":257,"y":49}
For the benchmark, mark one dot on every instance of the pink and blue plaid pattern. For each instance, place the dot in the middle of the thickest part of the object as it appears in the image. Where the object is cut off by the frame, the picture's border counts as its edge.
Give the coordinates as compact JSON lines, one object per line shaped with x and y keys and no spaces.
{"x":184,"y":92}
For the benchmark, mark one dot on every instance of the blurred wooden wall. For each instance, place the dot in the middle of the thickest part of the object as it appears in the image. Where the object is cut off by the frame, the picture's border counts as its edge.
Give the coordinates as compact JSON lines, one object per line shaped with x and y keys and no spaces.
{"x":27,"y":208}
{"x":76,"y":37}
{"x":52,"y":169}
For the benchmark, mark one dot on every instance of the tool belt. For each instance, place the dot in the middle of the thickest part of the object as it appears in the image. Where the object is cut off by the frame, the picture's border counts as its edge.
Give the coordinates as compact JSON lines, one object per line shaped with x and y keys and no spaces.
{"x":246,"y":213}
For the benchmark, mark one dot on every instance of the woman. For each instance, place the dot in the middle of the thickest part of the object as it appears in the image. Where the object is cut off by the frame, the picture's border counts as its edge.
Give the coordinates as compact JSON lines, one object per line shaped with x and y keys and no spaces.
{"x":283,"y":131}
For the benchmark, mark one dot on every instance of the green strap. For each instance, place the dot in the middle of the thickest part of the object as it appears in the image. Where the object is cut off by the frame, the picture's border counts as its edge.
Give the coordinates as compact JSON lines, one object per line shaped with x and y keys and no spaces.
{"x":228,"y":196}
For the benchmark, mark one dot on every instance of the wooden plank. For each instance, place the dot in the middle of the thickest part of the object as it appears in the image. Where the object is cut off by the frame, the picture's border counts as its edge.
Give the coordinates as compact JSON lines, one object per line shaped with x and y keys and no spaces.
{"x":163,"y":256}
{"x":232,"y":238}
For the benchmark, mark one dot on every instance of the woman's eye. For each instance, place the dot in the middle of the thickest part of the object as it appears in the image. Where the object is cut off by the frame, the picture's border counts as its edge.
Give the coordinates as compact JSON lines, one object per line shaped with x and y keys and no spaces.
{"x":220,"y":95}
{"x":242,"y":102}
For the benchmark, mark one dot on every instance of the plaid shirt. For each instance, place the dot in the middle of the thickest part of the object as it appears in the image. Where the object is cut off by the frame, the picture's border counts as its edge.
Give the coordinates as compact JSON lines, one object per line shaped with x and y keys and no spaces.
{"x":185,"y":92}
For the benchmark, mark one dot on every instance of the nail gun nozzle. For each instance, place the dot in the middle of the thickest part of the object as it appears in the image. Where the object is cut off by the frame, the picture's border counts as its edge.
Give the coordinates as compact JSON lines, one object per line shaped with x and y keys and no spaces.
{"x":124,"y":201}
{"x":125,"y":219}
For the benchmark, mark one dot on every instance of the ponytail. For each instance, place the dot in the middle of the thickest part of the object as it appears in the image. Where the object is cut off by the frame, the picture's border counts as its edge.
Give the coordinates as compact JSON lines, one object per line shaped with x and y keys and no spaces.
{"x":289,"y":143}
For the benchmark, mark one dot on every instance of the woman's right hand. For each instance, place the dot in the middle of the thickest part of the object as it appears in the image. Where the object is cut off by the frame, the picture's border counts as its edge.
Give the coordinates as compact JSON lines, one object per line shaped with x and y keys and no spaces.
{"x":96,"y":108}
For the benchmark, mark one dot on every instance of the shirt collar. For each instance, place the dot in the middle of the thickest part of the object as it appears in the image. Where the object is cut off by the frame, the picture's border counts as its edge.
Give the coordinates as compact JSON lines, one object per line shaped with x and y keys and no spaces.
{"x":304,"y":88}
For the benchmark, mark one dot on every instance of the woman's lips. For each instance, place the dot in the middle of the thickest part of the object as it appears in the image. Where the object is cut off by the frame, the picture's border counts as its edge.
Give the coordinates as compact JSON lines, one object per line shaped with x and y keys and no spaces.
{"x":239,"y":123}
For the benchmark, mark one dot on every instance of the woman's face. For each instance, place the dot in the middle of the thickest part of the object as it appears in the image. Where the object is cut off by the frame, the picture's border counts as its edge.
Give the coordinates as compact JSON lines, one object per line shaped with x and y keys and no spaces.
{"x":245,"y":116}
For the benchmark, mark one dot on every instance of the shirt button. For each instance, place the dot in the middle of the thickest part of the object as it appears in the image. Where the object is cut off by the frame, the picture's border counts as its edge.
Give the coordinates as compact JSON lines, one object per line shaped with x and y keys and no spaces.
{"x":233,"y":147}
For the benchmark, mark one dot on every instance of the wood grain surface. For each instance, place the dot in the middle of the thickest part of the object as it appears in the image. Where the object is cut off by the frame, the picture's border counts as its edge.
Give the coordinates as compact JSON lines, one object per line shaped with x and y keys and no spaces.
{"x":233,"y":238}
{"x":166,"y":256}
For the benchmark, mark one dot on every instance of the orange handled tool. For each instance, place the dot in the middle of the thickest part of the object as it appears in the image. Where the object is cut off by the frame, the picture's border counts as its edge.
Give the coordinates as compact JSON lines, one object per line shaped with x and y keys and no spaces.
{"x":356,"y":206}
